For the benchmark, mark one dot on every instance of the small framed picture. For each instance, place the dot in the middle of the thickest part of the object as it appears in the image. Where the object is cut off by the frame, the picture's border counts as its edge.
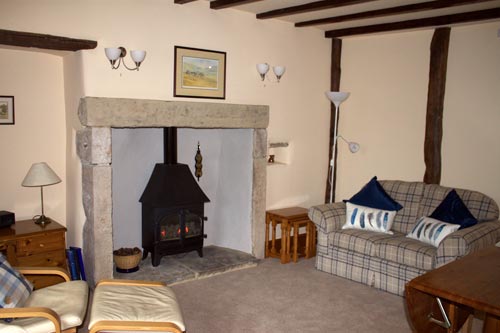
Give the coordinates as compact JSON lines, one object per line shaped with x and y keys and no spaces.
{"x":199,"y":73}
{"x":6,"y":110}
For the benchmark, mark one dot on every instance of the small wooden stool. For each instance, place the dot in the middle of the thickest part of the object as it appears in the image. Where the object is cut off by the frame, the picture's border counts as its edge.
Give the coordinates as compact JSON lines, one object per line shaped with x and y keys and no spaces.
{"x":288,"y":218}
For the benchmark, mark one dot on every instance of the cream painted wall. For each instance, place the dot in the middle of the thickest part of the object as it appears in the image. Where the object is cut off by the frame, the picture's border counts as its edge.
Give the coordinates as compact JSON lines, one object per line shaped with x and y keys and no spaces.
{"x":387,"y":76}
{"x":38,"y":135}
{"x":299,"y":110}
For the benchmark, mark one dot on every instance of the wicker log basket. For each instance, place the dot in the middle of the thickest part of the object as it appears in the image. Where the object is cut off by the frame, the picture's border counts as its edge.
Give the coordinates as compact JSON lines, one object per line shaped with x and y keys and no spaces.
{"x":127,"y":259}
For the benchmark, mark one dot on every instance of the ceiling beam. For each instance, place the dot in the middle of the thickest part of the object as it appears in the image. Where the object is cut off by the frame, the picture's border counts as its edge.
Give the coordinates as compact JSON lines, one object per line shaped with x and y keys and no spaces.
{"x":181,"y":2}
{"x":41,"y":41}
{"x":309,"y":7}
{"x":480,"y":15}
{"x":412,"y":8}
{"x":220,"y":4}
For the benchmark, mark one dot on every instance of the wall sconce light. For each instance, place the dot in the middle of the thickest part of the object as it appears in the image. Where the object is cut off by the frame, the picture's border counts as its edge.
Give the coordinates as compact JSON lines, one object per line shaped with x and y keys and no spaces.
{"x":264,"y":68}
{"x":118,"y":53}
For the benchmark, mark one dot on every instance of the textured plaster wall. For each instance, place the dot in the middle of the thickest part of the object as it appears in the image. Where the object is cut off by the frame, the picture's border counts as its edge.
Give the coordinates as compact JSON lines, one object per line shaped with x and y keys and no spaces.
{"x":299,"y":110}
{"x":387,"y":76}
{"x":38,"y":135}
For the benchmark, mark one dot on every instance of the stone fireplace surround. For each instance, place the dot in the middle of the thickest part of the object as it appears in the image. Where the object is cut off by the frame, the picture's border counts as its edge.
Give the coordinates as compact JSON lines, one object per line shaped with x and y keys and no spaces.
{"x":99,"y":114}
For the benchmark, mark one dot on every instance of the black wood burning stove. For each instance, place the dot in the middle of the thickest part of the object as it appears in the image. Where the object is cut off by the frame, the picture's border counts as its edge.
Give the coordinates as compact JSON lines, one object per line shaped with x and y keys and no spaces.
{"x":172,"y":207}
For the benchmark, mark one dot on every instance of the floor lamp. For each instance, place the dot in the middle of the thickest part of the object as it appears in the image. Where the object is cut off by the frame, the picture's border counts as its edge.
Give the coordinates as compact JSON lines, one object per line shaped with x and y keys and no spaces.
{"x":337,"y":98}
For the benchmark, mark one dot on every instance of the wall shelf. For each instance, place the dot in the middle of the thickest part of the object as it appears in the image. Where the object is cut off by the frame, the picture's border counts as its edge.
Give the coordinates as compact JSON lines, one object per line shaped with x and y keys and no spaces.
{"x":281,"y":152}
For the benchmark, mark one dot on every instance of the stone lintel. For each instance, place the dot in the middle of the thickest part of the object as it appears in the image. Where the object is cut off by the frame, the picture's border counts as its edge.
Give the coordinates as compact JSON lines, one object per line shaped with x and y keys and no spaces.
{"x":125,"y":112}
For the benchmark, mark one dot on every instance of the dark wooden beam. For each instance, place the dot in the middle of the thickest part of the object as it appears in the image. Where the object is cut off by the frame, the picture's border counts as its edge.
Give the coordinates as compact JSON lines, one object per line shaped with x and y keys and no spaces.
{"x":480,"y":15}
{"x":181,"y":2}
{"x":29,"y":39}
{"x":335,"y":72}
{"x":406,"y":9}
{"x":309,"y":7}
{"x":220,"y":4}
{"x":435,"y":105}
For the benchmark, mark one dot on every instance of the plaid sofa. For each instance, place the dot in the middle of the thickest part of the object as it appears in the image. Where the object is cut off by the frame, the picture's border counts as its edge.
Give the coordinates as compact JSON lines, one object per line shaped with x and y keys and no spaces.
{"x":388,"y":262}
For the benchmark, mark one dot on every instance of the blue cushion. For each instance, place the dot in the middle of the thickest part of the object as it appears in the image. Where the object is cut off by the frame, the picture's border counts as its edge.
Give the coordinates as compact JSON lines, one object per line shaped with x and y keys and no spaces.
{"x":453,"y":210}
{"x":373,"y":195}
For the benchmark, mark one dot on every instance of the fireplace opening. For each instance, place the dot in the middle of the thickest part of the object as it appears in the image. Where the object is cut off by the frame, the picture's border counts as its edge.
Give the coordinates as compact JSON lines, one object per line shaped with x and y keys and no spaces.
{"x":172,"y":207}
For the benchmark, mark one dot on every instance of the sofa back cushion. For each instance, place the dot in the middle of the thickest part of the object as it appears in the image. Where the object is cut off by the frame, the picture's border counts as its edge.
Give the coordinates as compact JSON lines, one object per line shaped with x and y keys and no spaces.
{"x":481,"y":206}
{"x":409,"y":195}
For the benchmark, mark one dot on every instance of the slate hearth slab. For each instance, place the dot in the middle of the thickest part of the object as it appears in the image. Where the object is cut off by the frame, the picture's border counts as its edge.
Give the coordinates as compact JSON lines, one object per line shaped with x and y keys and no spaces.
{"x":189,"y":266}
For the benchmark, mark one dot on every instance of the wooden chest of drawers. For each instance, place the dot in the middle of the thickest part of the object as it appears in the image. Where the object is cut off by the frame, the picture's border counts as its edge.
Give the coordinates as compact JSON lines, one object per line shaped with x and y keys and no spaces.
{"x":28,"y":244}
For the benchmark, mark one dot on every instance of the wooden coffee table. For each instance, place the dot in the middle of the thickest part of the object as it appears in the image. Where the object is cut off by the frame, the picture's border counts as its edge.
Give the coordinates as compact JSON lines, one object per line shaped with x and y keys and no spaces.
{"x":462,"y":286}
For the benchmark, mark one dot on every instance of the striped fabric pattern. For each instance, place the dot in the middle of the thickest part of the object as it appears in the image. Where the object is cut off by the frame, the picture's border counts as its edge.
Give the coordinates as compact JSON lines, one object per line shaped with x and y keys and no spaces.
{"x":388,"y":262}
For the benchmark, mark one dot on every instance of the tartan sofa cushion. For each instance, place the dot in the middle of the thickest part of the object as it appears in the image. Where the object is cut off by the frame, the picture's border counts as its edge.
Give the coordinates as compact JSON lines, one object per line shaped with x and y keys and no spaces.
{"x":481,"y":206}
{"x":14,"y":288}
{"x":357,"y":240}
{"x":409,"y":195}
{"x":407,"y":251}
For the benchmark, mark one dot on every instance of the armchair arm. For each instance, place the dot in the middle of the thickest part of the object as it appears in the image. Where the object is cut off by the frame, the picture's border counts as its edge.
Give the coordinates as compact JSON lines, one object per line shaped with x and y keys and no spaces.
{"x":468,"y":240}
{"x":45,"y":271}
{"x":328,"y":217}
{"x":33,"y":312}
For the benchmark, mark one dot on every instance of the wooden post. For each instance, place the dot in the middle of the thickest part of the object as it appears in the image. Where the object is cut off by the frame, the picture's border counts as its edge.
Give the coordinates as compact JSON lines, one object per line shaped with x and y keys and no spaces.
{"x":334,"y":86}
{"x":435,"y":102}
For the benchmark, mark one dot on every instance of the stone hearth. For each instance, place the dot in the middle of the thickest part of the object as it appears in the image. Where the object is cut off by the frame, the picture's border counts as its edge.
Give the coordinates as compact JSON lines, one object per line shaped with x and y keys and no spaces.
{"x":99,"y":115}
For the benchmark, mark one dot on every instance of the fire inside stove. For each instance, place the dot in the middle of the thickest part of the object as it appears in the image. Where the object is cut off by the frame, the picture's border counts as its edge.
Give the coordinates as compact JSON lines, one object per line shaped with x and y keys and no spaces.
{"x":171,"y":229}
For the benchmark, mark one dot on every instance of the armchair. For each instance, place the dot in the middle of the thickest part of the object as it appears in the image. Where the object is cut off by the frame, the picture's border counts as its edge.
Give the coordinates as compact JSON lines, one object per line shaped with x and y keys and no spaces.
{"x":58,"y":308}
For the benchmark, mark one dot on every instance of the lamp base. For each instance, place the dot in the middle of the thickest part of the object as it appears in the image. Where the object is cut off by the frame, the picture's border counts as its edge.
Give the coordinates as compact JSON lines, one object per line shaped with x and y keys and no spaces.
{"x":42,"y":220}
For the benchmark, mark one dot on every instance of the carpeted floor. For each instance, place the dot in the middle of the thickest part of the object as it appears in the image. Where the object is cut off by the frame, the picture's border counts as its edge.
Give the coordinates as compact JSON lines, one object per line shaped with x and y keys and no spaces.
{"x":287,"y":298}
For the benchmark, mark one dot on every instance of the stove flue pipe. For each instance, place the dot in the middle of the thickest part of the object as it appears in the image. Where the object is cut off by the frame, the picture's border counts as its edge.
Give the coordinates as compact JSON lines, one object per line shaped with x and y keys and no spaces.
{"x":170,"y":145}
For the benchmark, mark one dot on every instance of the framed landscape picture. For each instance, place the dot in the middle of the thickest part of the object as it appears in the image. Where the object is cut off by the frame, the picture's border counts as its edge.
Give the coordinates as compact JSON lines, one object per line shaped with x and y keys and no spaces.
{"x":6,"y":110}
{"x":199,"y":73}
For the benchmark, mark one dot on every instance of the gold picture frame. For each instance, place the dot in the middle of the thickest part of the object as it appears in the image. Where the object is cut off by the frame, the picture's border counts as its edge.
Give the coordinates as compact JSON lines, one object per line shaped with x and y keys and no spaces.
{"x":199,"y":73}
{"x":6,"y":110}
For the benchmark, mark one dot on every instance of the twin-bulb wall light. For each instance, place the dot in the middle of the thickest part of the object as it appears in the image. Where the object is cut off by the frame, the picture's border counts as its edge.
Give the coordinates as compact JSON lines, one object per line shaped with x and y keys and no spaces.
{"x":116,"y":54}
{"x":264,"y":68}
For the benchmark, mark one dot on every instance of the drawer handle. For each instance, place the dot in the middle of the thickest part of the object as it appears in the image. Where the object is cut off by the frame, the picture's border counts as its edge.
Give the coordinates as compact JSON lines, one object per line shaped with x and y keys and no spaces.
{"x":41,"y":245}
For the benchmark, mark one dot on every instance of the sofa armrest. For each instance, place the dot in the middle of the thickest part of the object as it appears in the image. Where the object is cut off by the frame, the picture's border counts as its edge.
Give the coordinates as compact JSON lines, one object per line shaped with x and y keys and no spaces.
{"x":328,"y":217}
{"x":468,"y":240}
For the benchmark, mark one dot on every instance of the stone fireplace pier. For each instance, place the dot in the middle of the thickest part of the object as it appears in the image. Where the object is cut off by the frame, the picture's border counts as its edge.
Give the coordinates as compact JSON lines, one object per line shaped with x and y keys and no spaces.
{"x":99,"y":115}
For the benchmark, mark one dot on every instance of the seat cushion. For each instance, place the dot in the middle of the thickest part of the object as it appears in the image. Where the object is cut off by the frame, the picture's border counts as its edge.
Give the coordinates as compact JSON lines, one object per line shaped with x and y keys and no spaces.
{"x":360,"y":241}
{"x":67,"y":299}
{"x":135,"y":303}
{"x":406,"y":251}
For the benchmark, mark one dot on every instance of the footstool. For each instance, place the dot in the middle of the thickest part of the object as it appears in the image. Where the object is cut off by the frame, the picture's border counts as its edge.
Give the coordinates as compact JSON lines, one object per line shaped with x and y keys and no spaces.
{"x":128,"y":305}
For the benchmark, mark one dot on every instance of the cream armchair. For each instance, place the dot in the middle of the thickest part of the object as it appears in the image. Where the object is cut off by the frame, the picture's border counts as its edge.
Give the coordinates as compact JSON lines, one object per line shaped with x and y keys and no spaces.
{"x":57,"y":308}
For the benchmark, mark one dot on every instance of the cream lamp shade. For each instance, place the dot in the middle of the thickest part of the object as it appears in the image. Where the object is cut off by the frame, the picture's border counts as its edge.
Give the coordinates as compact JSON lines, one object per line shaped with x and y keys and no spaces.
{"x":40,"y":174}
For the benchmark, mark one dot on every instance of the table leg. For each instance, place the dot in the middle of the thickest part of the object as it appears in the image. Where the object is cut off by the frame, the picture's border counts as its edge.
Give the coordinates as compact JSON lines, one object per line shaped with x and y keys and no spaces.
{"x":308,"y":240}
{"x":273,"y":241}
{"x":285,"y":241}
{"x":266,"y":252}
{"x":295,"y":241}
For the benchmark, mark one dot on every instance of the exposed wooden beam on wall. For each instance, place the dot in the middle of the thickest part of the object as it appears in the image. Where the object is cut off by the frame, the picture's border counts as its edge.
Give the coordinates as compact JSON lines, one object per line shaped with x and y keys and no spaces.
{"x":334,"y":86}
{"x":309,"y":7}
{"x":480,"y":15}
{"x":181,"y":2}
{"x":435,"y":105}
{"x":220,"y":4}
{"x":406,"y":9}
{"x":29,"y":39}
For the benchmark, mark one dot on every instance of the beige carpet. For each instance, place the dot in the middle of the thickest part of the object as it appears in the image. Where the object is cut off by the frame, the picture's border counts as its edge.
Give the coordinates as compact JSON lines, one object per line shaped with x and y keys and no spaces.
{"x":287,"y":298}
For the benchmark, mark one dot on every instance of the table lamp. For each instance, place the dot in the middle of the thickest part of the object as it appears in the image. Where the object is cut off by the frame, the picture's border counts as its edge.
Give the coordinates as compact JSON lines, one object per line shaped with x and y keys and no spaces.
{"x":40,"y":174}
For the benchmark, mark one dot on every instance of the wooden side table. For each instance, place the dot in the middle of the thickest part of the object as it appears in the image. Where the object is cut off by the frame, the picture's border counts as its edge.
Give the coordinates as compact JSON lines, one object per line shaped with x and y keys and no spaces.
{"x":28,"y":244}
{"x":288,"y":219}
